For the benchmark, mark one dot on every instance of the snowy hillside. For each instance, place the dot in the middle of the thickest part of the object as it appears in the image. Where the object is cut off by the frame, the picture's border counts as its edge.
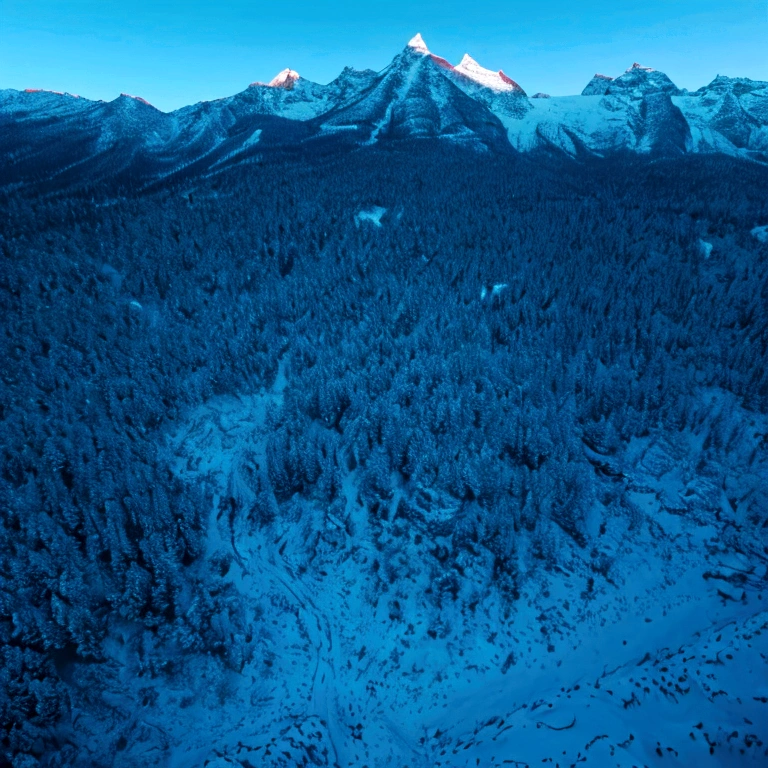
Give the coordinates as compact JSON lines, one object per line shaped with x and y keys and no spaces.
{"x":652,"y":650}
{"x":412,"y":97}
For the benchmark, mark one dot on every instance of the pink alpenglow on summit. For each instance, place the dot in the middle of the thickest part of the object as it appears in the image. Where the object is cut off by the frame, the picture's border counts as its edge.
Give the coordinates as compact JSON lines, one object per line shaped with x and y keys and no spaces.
{"x":418,"y":44}
{"x":136,"y":98}
{"x":496,"y":81}
{"x":285,"y":79}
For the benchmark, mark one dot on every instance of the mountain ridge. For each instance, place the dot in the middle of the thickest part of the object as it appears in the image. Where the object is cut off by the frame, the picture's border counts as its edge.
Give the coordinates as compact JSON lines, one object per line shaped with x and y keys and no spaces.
{"x":418,"y":95}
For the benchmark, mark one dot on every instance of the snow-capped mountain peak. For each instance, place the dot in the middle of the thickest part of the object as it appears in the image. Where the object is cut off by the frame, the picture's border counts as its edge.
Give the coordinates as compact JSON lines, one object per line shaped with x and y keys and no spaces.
{"x":417,"y":43}
{"x":639,"y":81}
{"x":497,"y":81}
{"x":285,"y":79}
{"x":136,"y":98}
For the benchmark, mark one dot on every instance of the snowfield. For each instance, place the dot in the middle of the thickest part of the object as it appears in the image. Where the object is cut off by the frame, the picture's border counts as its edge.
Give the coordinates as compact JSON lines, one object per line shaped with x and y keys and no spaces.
{"x":362,"y":658}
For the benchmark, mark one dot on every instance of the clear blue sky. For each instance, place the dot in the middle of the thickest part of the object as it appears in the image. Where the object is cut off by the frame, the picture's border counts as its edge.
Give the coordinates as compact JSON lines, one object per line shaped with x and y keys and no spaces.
{"x":175,"y":52}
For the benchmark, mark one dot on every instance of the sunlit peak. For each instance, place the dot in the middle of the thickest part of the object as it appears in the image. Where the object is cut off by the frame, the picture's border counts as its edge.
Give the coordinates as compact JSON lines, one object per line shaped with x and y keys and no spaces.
{"x":418,"y":44}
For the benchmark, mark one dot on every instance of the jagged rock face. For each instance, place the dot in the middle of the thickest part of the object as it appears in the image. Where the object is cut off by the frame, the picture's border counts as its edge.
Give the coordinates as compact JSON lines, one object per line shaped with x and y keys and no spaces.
{"x":750,"y":95}
{"x":738,"y":86}
{"x":638,"y":82}
{"x":734,"y":122}
{"x":597,"y":86}
{"x":503,"y":104}
{"x":300,"y":101}
{"x":729,"y":115}
{"x":662,"y":128}
{"x":414,"y":98}
{"x":351,"y":83}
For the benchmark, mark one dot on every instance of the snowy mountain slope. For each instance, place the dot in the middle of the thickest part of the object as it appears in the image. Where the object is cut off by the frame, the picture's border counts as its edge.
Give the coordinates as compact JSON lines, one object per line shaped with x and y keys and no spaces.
{"x":128,"y":137}
{"x":639,"y":81}
{"x":502,"y":95}
{"x":496,"y":81}
{"x":100,"y":139}
{"x":597,"y":86}
{"x":292,"y":96}
{"x":643,"y":111}
{"x":418,"y":95}
{"x":574,"y":124}
{"x":412,"y":97}
{"x":729,"y":115}
{"x":285,"y":79}
{"x":391,"y":642}
{"x":35,"y":104}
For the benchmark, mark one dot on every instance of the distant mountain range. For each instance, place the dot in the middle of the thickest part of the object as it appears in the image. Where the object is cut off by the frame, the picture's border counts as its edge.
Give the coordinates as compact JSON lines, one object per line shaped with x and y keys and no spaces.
{"x":44,"y":134}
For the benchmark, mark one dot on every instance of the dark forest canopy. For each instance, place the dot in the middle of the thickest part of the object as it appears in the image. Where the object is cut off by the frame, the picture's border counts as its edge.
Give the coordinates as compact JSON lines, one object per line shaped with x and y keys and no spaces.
{"x":507,"y":313}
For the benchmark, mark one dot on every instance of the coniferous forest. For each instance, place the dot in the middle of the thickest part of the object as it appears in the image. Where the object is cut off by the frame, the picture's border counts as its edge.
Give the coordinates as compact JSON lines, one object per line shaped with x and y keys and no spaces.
{"x":409,"y":455}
